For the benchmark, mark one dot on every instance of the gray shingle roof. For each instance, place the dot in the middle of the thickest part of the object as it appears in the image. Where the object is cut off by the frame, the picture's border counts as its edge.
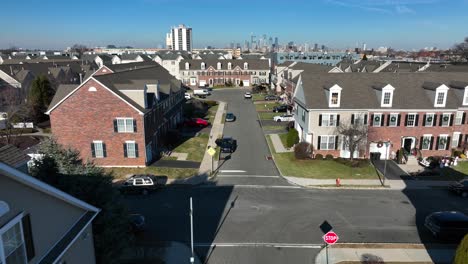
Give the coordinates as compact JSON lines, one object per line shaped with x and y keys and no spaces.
{"x":62,"y":91}
{"x":359,"y":89}
{"x":13,"y":156}
{"x":311,"y":67}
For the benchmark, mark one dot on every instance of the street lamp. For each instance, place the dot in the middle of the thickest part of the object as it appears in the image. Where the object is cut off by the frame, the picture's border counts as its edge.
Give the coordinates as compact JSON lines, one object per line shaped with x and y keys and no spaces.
{"x":387,"y":144}
{"x":192,"y":258}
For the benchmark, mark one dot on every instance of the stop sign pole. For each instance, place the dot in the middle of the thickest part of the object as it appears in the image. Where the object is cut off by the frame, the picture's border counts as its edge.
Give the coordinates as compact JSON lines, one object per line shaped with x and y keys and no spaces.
{"x":330,"y":238}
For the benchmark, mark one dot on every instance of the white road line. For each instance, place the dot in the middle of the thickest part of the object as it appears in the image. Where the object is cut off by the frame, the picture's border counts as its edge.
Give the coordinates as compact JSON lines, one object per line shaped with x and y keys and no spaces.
{"x":232,"y":171}
{"x":246,"y":176}
{"x":276,"y":245}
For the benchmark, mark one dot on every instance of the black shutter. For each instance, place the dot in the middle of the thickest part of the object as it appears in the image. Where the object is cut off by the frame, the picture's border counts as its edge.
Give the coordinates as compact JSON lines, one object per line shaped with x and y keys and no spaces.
{"x":93,"y":151}
{"x":336,"y":142}
{"x":352,"y":119}
{"x":28,"y":237}
{"x":116,"y":129}
{"x":416,"y":120}
{"x":382,"y":120}
{"x":365,"y":119}
{"x":125,"y":150}
{"x":388,"y":119}
{"x":440,"y":121}
{"x":136,"y":150}
{"x":460,"y":138}
{"x":319,"y":139}
{"x":432,"y":143}
{"x":104,"y":151}
{"x":406,"y":120}
{"x":451,"y":119}
{"x":372,"y":120}
{"x":437,"y":143}
{"x":463,"y":118}
{"x":434,"y":121}
{"x":337,"y":120}
{"x":447,"y":145}
{"x":399,"y":119}
{"x":320,"y":120}
{"x":134,"y":126}
{"x":421,"y":143}
{"x":424,"y":120}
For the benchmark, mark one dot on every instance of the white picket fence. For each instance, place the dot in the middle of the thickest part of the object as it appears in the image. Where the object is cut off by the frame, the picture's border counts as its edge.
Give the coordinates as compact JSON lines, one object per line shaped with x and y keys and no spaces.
{"x":23,"y":125}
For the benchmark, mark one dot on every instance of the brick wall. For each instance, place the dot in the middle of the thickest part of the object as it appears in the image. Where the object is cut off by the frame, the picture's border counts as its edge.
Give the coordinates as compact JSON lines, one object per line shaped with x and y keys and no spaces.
{"x":86,"y":116}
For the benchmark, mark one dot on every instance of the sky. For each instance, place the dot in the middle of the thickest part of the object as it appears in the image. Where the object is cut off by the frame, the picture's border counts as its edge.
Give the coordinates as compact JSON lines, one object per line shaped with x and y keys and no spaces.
{"x":400,"y":24}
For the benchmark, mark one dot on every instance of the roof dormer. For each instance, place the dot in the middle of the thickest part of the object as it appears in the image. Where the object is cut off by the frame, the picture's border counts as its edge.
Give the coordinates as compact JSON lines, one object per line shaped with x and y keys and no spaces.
{"x":334,"y":96}
{"x":460,"y":87}
{"x":441,"y":96}
{"x":187,"y":66}
{"x":202,"y":66}
{"x":229,"y":66}
{"x":218,"y":65}
{"x":246,"y":66}
{"x":386,"y":99}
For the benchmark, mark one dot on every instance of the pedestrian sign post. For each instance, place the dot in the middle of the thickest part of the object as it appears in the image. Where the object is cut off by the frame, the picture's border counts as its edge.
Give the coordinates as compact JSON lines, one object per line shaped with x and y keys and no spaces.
{"x":211,"y":151}
{"x":330,"y":238}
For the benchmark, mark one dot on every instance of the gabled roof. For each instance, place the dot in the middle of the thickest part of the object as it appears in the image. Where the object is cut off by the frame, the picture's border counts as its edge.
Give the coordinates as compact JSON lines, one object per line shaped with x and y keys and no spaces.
{"x":62,"y":91}
{"x":13,"y":156}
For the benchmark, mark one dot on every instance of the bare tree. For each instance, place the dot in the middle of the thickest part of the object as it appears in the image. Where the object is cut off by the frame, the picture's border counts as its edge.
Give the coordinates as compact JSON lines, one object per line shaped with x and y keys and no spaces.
{"x":462,"y":49}
{"x":79,"y":48}
{"x":13,"y":110}
{"x":354,"y":135}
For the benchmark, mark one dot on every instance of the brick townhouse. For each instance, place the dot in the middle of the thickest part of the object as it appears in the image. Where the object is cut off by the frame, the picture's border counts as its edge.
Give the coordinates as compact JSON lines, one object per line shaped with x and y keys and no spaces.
{"x":414,"y":111}
{"x":213,"y":72}
{"x":118,"y":118}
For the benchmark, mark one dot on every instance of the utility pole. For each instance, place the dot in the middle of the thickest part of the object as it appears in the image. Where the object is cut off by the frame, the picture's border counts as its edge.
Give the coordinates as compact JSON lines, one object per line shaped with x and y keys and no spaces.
{"x":192,"y":259}
{"x":387,"y":144}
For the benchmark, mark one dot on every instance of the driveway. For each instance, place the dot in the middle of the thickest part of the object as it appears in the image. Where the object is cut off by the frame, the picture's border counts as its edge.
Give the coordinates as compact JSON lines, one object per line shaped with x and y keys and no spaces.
{"x":393,"y":171}
{"x":249,"y":165}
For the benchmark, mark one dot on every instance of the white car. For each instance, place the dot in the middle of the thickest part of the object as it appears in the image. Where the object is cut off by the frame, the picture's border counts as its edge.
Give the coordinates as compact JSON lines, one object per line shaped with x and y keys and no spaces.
{"x":248,"y":95}
{"x":188,"y":96}
{"x":283,"y":118}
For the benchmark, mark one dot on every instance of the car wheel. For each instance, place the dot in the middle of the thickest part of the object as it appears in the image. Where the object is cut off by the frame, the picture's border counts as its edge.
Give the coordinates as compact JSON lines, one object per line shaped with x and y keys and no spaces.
{"x":464,"y":194}
{"x":279,"y":120}
{"x":144,"y":192}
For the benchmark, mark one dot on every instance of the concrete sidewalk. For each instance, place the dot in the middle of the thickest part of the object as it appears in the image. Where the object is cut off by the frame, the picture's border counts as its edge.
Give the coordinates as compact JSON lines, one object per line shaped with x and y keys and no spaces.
{"x":277,"y":144}
{"x":389,"y":184}
{"x":378,"y":253}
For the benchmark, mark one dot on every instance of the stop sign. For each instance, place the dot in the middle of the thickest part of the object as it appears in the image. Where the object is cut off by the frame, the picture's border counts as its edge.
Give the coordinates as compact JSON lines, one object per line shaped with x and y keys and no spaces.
{"x":330,"y":238}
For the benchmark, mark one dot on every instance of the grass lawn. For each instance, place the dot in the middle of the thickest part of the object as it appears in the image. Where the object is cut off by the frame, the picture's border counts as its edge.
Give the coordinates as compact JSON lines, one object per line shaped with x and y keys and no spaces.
{"x":211,"y":113}
{"x":278,"y":128}
{"x":258,"y":97}
{"x":194,"y":146}
{"x":268,"y":116}
{"x":265,"y":106}
{"x":172,"y":173}
{"x":320,"y":169}
{"x":284,"y":138}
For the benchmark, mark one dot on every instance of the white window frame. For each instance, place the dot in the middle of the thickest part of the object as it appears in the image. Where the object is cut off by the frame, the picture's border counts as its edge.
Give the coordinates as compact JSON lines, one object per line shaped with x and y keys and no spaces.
{"x":380,"y":120}
{"x":432,"y":115}
{"x":327,"y":142}
{"x":387,"y":89}
{"x":329,"y":124}
{"x":390,"y":119}
{"x":429,"y":145}
{"x":187,"y":66}
{"x":246,"y":66}
{"x":465,"y":96}
{"x":361,"y":118}
{"x":414,"y":115}
{"x":126,"y":128}
{"x":202,"y":66}
{"x":229,"y":66}
{"x":458,"y":118}
{"x":449,"y":117}
{"x":334,"y":89}
{"x":303,"y":114}
{"x":98,"y":143}
{"x":127,"y":145}
{"x":440,"y":138}
{"x":455,"y":138}
{"x":441,"y":90}
{"x":6,"y":228}
{"x":218,"y":66}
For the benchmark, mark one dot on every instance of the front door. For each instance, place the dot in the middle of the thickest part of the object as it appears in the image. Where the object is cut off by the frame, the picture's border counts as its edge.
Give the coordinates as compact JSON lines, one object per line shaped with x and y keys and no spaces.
{"x":407,"y":142}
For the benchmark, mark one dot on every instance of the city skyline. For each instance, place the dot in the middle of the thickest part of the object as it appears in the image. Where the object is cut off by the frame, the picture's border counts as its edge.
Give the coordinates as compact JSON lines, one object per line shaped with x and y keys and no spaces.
{"x":337,"y":24}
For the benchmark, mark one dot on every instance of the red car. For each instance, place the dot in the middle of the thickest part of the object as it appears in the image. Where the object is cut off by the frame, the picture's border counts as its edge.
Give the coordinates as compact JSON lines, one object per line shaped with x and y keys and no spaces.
{"x":196,"y":122}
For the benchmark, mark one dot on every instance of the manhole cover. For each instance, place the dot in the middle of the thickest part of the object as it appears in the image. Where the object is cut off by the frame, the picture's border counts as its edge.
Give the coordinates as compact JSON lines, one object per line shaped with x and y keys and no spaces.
{"x":269,"y":157}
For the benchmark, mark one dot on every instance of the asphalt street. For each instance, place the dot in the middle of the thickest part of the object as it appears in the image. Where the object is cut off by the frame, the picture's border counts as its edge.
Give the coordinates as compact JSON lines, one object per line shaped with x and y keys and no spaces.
{"x":248,"y":165}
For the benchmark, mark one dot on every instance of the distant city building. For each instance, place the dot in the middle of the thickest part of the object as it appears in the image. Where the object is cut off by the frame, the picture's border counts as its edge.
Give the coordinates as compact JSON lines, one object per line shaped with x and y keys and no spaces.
{"x":180,"y":38}
{"x":315,"y":47}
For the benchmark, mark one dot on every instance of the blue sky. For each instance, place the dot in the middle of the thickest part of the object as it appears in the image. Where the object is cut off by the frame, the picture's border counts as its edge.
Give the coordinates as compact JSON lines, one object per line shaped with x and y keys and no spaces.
{"x":406,"y":24}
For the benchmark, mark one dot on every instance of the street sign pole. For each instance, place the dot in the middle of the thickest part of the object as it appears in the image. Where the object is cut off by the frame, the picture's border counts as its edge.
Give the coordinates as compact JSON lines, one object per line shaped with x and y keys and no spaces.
{"x":192,"y":259}
{"x":326,"y":250}
{"x":211,"y":165}
{"x":385,"y":165}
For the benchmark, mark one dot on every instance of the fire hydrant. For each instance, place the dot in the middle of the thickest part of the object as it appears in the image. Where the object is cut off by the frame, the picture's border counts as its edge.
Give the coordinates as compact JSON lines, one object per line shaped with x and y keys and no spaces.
{"x":338,"y":182}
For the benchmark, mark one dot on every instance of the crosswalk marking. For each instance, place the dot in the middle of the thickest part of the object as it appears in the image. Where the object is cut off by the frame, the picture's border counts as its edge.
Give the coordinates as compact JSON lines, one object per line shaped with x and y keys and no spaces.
{"x":232,"y":171}
{"x":276,"y":245}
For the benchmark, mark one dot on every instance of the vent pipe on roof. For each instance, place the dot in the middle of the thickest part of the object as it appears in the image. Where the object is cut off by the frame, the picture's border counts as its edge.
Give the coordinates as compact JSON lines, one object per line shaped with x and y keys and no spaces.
{"x":11,"y":71}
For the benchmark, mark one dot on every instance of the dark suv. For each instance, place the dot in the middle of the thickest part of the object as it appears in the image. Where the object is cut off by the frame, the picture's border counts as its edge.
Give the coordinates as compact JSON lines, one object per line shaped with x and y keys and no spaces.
{"x":280,"y":108}
{"x":271,"y":97}
{"x":449,"y":225}
{"x":227,"y":144}
{"x":460,"y":188}
{"x":139,"y":184}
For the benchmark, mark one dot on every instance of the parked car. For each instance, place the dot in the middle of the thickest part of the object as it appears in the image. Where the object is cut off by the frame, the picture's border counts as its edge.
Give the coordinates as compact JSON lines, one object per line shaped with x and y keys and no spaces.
{"x":280,"y":108}
{"x":460,"y":188}
{"x":271,"y":97}
{"x":188,"y":96}
{"x":196,"y":122}
{"x":138,"y":184}
{"x":227,"y":144}
{"x":247,"y":95}
{"x":201,"y":92}
{"x":230,"y":117}
{"x":447,"y":225}
{"x":137,"y":222}
{"x":283,"y":118}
